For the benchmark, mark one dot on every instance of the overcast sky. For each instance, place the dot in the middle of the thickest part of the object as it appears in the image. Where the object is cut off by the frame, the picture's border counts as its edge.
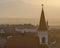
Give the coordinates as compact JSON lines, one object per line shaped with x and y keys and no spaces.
{"x":49,"y":2}
{"x":15,"y":8}
{"x":29,"y":9}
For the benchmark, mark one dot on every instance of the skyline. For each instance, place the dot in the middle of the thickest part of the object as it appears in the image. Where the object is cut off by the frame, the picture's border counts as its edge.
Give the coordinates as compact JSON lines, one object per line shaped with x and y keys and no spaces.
{"x":33,"y":21}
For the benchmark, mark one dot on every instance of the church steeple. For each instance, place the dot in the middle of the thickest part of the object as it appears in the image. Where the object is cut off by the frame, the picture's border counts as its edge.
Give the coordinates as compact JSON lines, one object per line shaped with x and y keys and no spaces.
{"x":42,"y":23}
{"x":42,"y":29}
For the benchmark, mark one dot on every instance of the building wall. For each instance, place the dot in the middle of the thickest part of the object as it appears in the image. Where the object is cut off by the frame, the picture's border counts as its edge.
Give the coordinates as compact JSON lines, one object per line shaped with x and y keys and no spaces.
{"x":26,"y":30}
{"x":42,"y":34}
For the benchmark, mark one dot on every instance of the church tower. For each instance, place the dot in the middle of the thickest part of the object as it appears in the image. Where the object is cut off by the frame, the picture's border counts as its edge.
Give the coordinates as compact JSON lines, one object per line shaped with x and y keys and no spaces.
{"x":42,"y":29}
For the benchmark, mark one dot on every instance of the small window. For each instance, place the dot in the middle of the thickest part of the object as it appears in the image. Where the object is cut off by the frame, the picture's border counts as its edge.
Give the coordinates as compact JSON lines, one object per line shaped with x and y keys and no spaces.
{"x":43,"y":40}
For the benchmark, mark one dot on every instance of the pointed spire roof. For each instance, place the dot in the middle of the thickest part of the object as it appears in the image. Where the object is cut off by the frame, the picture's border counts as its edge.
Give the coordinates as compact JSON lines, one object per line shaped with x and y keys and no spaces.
{"x":47,"y":25}
{"x":42,"y":24}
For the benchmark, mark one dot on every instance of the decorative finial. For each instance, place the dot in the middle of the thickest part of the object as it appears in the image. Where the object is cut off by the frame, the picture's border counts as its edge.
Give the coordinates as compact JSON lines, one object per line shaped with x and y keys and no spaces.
{"x":42,"y":5}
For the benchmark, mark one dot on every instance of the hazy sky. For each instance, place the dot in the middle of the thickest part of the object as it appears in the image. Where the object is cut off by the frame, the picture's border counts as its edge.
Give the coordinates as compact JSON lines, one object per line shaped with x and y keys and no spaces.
{"x":30,"y":9}
{"x":25,"y":8}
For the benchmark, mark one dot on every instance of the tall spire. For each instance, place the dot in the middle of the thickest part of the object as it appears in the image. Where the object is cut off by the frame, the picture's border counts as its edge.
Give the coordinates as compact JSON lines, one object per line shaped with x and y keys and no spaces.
{"x":42,"y":24}
{"x":47,"y":24}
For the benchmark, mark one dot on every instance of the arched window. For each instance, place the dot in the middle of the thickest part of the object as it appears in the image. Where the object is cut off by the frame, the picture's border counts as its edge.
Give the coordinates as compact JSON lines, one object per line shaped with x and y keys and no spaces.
{"x":43,"y":40}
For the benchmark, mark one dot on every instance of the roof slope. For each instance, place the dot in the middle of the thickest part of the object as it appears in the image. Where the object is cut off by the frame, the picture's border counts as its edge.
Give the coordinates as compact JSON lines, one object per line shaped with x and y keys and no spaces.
{"x":42,"y":24}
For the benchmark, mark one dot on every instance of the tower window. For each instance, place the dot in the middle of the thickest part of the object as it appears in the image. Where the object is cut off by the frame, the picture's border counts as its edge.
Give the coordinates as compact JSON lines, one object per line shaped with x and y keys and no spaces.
{"x":43,"y":40}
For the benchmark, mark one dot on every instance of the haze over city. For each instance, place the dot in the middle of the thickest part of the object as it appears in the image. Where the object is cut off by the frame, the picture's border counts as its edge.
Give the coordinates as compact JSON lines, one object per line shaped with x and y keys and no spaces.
{"x":12,"y":11}
{"x":29,"y":23}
